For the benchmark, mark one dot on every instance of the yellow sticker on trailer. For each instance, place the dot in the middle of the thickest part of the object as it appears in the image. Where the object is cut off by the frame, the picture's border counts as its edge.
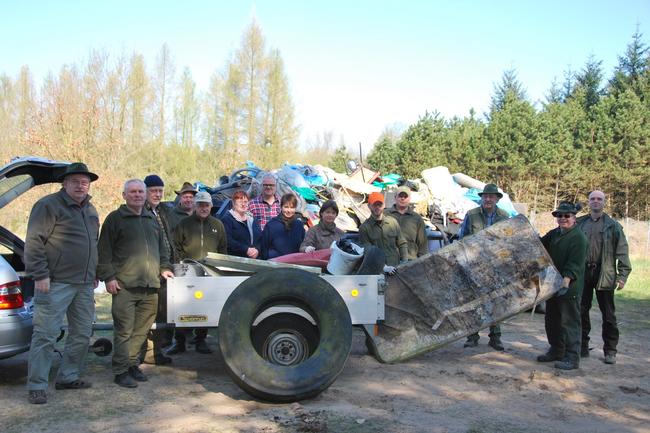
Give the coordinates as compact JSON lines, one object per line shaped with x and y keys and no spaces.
{"x":193,"y":318}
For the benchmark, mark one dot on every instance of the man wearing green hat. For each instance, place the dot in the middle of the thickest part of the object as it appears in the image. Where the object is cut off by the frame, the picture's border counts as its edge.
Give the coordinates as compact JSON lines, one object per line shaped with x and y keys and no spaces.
{"x":567,"y":246}
{"x":476,"y":220}
{"x":61,"y":257}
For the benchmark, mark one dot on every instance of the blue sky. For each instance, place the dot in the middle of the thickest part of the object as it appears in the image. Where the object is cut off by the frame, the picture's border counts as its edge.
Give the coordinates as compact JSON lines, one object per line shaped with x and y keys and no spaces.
{"x":354,"y":67}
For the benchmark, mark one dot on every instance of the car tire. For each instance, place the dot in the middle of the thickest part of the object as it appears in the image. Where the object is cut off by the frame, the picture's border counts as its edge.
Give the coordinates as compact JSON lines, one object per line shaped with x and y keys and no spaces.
{"x":270,"y":381}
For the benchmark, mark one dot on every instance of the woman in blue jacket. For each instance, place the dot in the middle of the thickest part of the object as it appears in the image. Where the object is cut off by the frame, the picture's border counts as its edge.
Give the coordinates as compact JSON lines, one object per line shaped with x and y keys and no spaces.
{"x":242,"y":230}
{"x":284,"y":233}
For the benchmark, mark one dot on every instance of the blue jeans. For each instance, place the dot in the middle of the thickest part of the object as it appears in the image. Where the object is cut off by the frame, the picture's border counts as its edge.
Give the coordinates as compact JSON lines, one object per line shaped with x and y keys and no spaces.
{"x":77,"y":302}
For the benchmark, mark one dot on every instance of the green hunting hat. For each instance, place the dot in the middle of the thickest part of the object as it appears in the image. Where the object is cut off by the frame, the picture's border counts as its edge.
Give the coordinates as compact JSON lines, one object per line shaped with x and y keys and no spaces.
{"x":187,"y":187}
{"x":78,"y":168}
{"x":566,"y":207}
{"x":491,"y":188}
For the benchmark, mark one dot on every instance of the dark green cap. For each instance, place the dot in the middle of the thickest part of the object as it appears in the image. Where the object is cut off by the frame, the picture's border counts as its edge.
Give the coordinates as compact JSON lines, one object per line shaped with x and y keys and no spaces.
{"x":491,"y":188}
{"x":78,"y":168}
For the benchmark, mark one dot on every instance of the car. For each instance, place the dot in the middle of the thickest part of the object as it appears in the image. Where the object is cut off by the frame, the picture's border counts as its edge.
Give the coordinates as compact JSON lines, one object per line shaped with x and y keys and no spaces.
{"x":17,"y":289}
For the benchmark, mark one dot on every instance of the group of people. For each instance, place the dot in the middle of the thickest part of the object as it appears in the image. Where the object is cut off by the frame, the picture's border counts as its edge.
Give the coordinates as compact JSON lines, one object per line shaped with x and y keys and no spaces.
{"x":66,"y":254}
{"x":591,"y":254}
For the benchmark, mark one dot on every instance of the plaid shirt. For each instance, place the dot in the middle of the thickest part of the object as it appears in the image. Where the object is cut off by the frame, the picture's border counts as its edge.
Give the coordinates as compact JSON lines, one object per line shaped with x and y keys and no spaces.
{"x":263,"y":211}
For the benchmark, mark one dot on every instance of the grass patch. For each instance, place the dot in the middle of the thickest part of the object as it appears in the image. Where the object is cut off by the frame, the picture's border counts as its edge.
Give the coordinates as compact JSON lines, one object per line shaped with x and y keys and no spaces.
{"x":637,"y":284}
{"x":634,"y":300}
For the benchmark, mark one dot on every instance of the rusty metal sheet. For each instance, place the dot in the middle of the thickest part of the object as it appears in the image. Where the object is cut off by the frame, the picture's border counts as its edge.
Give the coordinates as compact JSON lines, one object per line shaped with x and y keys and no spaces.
{"x":462,"y":288}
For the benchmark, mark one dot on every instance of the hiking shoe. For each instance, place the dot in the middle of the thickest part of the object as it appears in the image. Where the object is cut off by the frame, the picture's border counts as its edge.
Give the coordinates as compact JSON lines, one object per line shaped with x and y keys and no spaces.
{"x":471,"y":342}
{"x":125,"y":380}
{"x":38,"y":396}
{"x":548,"y":357}
{"x":566,"y":365}
{"x":202,"y":347}
{"x":176,"y":348}
{"x":584,"y":352}
{"x":137,"y":374}
{"x":610,"y":358}
{"x":495,"y":343}
{"x":75,"y":384}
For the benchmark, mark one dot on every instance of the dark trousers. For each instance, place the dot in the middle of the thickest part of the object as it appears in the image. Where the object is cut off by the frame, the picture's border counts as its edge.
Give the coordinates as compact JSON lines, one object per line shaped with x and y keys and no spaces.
{"x":182,"y":334}
{"x":605,"y":300}
{"x":495,"y":332}
{"x":562,"y":323}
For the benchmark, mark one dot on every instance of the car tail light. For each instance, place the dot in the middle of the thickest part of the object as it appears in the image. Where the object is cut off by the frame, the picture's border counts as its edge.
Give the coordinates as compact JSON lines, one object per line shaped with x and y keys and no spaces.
{"x":10,"y":296}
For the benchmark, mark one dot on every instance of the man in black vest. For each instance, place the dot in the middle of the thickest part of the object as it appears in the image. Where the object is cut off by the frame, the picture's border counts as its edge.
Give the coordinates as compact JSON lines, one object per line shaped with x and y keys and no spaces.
{"x":476,"y":220}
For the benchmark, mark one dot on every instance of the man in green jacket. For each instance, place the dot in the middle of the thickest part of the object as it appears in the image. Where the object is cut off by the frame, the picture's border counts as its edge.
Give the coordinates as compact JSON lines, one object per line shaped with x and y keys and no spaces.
{"x":383,"y":231}
{"x":567,"y":246}
{"x":606,"y":270}
{"x":411,"y":224}
{"x":132,"y":258}
{"x":195,"y":237}
{"x":476,"y":220}
{"x":61,"y":258}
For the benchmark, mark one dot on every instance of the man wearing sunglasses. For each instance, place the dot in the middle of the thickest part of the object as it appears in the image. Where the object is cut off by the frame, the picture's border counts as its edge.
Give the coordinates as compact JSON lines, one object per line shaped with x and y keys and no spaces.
{"x":476,"y":220}
{"x":567,"y":246}
{"x":266,"y":206}
{"x":606,"y":270}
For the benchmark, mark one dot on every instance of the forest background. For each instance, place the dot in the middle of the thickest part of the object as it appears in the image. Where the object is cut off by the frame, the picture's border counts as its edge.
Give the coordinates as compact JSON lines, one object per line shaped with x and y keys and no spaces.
{"x":126,"y":117}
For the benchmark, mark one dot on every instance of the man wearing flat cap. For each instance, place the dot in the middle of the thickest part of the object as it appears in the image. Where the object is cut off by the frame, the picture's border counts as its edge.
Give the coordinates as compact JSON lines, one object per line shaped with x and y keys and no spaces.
{"x":159,"y":338}
{"x":383,"y":231}
{"x":476,"y":220}
{"x":410,"y":223}
{"x":61,"y":257}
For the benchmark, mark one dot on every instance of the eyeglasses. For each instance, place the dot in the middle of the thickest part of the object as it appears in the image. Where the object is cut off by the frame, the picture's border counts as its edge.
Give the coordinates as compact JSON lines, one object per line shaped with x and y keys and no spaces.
{"x":564,"y":215}
{"x":268,"y":185}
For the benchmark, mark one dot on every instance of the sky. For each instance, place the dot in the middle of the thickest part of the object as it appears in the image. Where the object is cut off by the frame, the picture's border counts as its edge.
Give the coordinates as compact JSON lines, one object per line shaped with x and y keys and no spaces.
{"x":355,"y":68}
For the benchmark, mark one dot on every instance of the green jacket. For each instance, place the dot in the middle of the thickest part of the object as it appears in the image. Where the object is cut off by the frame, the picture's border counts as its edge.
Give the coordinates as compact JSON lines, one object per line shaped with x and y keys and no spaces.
{"x":476,"y":220}
{"x":615,"y":262}
{"x":131,"y":249}
{"x":195,"y":238}
{"x":61,"y":240}
{"x":386,"y":235}
{"x":412,"y":226}
{"x":568,"y":251}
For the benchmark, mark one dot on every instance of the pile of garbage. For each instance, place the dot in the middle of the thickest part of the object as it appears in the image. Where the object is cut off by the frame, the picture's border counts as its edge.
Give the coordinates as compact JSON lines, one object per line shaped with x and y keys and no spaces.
{"x":441,"y":198}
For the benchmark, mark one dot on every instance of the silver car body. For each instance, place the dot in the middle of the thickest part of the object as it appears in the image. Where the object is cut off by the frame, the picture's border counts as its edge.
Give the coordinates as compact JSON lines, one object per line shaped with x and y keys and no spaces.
{"x":17,"y":177}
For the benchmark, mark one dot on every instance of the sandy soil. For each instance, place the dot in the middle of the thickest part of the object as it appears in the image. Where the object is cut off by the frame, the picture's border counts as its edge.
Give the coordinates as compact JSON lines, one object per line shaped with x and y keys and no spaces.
{"x":448,"y":390}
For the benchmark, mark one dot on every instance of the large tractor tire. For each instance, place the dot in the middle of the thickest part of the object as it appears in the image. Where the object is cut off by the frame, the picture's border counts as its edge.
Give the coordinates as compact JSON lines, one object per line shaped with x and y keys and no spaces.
{"x":285,"y":357}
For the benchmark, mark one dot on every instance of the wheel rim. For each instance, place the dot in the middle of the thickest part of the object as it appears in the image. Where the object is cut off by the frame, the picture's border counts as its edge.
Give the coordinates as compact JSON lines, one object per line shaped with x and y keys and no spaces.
{"x":284,"y":347}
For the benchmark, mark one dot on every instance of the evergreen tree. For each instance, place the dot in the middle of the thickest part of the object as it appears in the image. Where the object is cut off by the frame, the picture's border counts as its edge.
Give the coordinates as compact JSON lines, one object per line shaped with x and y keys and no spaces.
{"x":384,"y":154}
{"x":632,"y":67}
{"x":588,"y":80}
{"x":340,"y":159}
{"x":509,"y":89}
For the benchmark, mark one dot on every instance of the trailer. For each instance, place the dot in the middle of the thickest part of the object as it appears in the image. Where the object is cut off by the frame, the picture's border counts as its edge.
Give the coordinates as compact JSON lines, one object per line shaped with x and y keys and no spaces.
{"x":285,"y":331}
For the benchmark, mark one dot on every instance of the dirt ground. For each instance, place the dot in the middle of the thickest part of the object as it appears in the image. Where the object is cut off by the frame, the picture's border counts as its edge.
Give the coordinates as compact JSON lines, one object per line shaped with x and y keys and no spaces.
{"x":449,"y":390}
